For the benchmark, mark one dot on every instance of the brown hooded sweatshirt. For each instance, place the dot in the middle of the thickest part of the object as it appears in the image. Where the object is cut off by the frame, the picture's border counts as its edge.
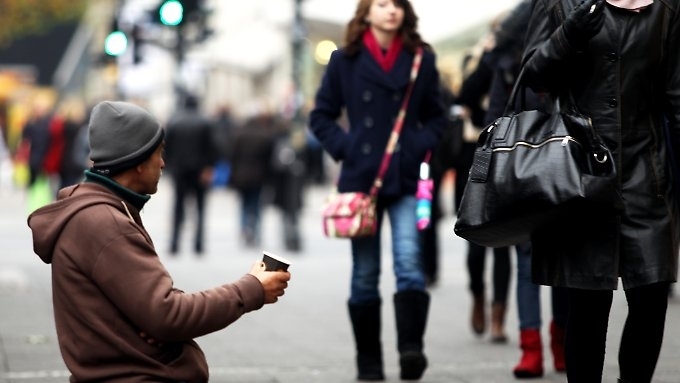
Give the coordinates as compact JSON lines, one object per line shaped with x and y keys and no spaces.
{"x":108,"y":286}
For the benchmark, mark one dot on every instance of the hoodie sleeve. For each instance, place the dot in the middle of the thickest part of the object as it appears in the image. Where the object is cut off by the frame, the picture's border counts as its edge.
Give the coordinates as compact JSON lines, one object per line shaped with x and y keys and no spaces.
{"x":130,"y":274}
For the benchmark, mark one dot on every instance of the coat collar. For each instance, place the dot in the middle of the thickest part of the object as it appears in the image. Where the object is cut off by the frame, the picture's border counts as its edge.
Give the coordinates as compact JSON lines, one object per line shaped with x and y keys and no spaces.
{"x":395,"y":79}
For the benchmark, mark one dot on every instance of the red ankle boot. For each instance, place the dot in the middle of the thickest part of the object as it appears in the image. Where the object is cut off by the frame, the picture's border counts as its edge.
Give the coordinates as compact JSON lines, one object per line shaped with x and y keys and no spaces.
{"x":531,"y":364}
{"x":557,"y":347}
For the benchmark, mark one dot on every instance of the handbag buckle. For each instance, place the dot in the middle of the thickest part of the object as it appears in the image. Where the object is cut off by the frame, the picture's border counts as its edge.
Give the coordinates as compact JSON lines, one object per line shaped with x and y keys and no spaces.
{"x":601,"y":157}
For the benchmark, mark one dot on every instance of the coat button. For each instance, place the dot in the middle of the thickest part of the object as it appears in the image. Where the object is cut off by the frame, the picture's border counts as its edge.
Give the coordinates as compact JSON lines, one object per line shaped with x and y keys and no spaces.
{"x":612,"y":56}
{"x":613,"y":103}
{"x":367,"y":96}
{"x":368,"y":122}
{"x":366,"y":149}
{"x":396,"y":96}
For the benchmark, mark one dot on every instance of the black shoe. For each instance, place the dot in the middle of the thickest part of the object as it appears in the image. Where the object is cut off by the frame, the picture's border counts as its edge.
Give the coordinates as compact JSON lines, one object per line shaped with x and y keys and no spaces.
{"x":370,"y":369}
{"x":413,"y":365}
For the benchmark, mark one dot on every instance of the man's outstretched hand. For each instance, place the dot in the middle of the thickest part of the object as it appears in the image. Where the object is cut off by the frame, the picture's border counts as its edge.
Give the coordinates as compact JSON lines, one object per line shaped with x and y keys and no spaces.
{"x":274,"y":282}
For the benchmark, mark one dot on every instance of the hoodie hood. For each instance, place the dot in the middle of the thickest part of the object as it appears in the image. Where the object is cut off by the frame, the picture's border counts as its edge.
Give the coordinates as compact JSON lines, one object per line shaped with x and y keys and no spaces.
{"x":47,"y":223}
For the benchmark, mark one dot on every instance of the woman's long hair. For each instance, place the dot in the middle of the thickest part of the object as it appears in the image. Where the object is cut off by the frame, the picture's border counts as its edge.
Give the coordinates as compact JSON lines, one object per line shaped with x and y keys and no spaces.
{"x":408,"y":30}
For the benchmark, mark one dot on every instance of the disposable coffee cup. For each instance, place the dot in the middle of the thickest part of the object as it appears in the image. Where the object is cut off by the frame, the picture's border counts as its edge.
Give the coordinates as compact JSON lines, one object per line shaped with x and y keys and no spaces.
{"x":273,"y":262}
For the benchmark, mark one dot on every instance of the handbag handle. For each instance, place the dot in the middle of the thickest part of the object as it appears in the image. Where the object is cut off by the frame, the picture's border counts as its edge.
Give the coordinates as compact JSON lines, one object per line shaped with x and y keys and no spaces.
{"x":517,"y":87}
{"x":398,"y":124}
{"x":591,"y":137}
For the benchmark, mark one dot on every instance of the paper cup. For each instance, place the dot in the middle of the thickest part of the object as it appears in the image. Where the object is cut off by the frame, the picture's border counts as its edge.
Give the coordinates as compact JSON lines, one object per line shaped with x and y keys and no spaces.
{"x":274,"y":262}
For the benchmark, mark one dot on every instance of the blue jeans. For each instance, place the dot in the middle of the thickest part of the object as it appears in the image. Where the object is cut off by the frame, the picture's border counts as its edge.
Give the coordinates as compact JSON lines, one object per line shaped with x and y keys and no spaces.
{"x":407,"y":263}
{"x":529,"y":294}
{"x":250,"y":214}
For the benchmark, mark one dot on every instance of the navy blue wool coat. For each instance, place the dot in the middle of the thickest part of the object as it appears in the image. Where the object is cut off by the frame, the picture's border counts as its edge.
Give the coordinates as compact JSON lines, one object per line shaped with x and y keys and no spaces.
{"x":371,"y":99}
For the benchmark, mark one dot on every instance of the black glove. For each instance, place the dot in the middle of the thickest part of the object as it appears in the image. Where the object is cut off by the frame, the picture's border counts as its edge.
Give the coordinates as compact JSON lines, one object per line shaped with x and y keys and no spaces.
{"x":584,"y":22}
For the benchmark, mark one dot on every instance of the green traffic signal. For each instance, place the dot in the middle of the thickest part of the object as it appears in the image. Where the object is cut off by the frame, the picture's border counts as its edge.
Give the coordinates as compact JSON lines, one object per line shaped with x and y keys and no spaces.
{"x":115,"y":43}
{"x":171,"y":12}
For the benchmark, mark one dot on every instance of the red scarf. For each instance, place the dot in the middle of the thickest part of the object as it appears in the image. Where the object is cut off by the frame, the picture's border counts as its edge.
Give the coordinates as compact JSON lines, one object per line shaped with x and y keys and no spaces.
{"x":385,"y":60}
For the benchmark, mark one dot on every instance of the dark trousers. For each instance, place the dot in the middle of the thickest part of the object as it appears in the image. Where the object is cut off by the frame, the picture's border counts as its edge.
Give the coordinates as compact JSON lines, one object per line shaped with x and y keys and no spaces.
{"x":586,"y":333}
{"x":188,"y":185}
{"x":429,"y":240}
{"x":476,"y":261}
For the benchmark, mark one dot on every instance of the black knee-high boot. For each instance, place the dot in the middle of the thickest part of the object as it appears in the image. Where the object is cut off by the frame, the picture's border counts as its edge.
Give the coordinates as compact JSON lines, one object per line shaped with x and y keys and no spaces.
{"x":366,"y":324}
{"x":411,"y":308}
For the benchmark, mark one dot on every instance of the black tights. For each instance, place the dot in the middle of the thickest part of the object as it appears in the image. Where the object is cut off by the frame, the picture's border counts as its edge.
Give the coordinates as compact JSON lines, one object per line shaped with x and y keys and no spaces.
{"x":586,"y":333}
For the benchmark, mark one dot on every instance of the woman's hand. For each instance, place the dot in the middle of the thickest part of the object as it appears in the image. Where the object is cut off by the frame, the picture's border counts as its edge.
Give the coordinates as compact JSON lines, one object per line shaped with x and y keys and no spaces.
{"x":584,"y":22}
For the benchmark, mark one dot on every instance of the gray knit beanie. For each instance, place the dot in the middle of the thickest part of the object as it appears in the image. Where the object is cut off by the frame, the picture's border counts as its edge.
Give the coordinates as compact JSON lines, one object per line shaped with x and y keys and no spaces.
{"x":122,"y":136}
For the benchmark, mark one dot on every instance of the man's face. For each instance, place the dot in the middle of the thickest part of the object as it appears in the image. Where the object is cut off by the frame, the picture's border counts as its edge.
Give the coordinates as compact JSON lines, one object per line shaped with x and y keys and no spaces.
{"x":151,"y":170}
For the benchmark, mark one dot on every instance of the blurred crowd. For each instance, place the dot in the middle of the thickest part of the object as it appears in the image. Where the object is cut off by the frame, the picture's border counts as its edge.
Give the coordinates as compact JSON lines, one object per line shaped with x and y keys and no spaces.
{"x":265,"y":157}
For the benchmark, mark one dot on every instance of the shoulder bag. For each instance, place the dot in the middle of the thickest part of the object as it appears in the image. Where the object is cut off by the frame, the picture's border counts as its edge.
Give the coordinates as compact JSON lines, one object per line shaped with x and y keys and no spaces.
{"x":532,"y":169}
{"x":353,"y":214}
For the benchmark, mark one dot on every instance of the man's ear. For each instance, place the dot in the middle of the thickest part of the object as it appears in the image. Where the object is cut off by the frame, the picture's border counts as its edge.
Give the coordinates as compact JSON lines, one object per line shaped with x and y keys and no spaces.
{"x":140,"y":168}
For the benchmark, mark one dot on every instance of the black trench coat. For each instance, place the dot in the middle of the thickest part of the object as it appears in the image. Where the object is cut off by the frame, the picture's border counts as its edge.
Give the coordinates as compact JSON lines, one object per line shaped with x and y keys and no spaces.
{"x":628,"y":80}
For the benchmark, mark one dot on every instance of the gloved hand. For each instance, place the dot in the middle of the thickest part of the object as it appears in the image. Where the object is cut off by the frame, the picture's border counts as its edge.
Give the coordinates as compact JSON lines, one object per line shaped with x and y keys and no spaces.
{"x":584,"y":22}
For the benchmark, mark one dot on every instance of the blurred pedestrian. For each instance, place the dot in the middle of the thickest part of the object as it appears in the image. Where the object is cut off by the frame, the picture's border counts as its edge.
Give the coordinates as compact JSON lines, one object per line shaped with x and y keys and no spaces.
{"x":5,"y":159}
{"x":41,"y":147}
{"x":472,"y":99}
{"x":529,"y":310}
{"x":73,"y":119}
{"x":191,"y":155}
{"x":368,"y":79}
{"x":224,"y":124}
{"x":440,"y":163}
{"x":504,"y":60}
{"x":620,"y":62}
{"x":35,"y":136}
{"x":287,"y":179}
{"x":109,"y":286}
{"x":250,"y":156}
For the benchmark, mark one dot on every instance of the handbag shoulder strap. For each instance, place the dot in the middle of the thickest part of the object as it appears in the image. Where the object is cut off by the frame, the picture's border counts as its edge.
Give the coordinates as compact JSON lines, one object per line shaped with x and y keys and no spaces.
{"x":398,"y":124}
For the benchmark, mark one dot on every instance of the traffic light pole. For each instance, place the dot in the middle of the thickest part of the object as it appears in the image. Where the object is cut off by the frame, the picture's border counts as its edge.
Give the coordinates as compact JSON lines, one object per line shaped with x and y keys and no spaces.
{"x":298,"y":39}
{"x":180,"y":47}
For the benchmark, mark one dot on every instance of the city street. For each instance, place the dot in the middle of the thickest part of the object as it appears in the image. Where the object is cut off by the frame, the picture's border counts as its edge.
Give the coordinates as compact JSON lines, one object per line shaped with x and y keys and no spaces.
{"x":306,"y":336}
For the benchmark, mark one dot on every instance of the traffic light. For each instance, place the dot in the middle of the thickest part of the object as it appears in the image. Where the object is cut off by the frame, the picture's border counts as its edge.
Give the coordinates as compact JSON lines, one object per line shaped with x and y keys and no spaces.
{"x":121,"y":40}
{"x":116,"y":41}
{"x":171,"y":12}
{"x":175,"y":12}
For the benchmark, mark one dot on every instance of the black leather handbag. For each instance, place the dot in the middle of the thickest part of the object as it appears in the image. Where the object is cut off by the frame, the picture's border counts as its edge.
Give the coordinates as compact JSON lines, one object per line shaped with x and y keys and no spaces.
{"x":532,"y":169}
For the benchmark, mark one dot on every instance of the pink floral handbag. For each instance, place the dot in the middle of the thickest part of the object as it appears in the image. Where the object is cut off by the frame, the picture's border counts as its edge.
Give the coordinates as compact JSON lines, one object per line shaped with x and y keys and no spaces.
{"x":353,"y":214}
{"x":350,"y":215}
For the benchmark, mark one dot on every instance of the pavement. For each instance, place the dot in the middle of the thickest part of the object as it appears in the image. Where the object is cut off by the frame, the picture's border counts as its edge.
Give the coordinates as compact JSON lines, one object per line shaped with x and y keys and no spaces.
{"x":306,"y":336}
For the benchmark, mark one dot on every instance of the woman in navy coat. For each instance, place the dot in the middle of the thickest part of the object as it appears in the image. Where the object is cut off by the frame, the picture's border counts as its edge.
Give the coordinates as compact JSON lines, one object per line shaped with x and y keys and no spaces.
{"x":367,"y":80}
